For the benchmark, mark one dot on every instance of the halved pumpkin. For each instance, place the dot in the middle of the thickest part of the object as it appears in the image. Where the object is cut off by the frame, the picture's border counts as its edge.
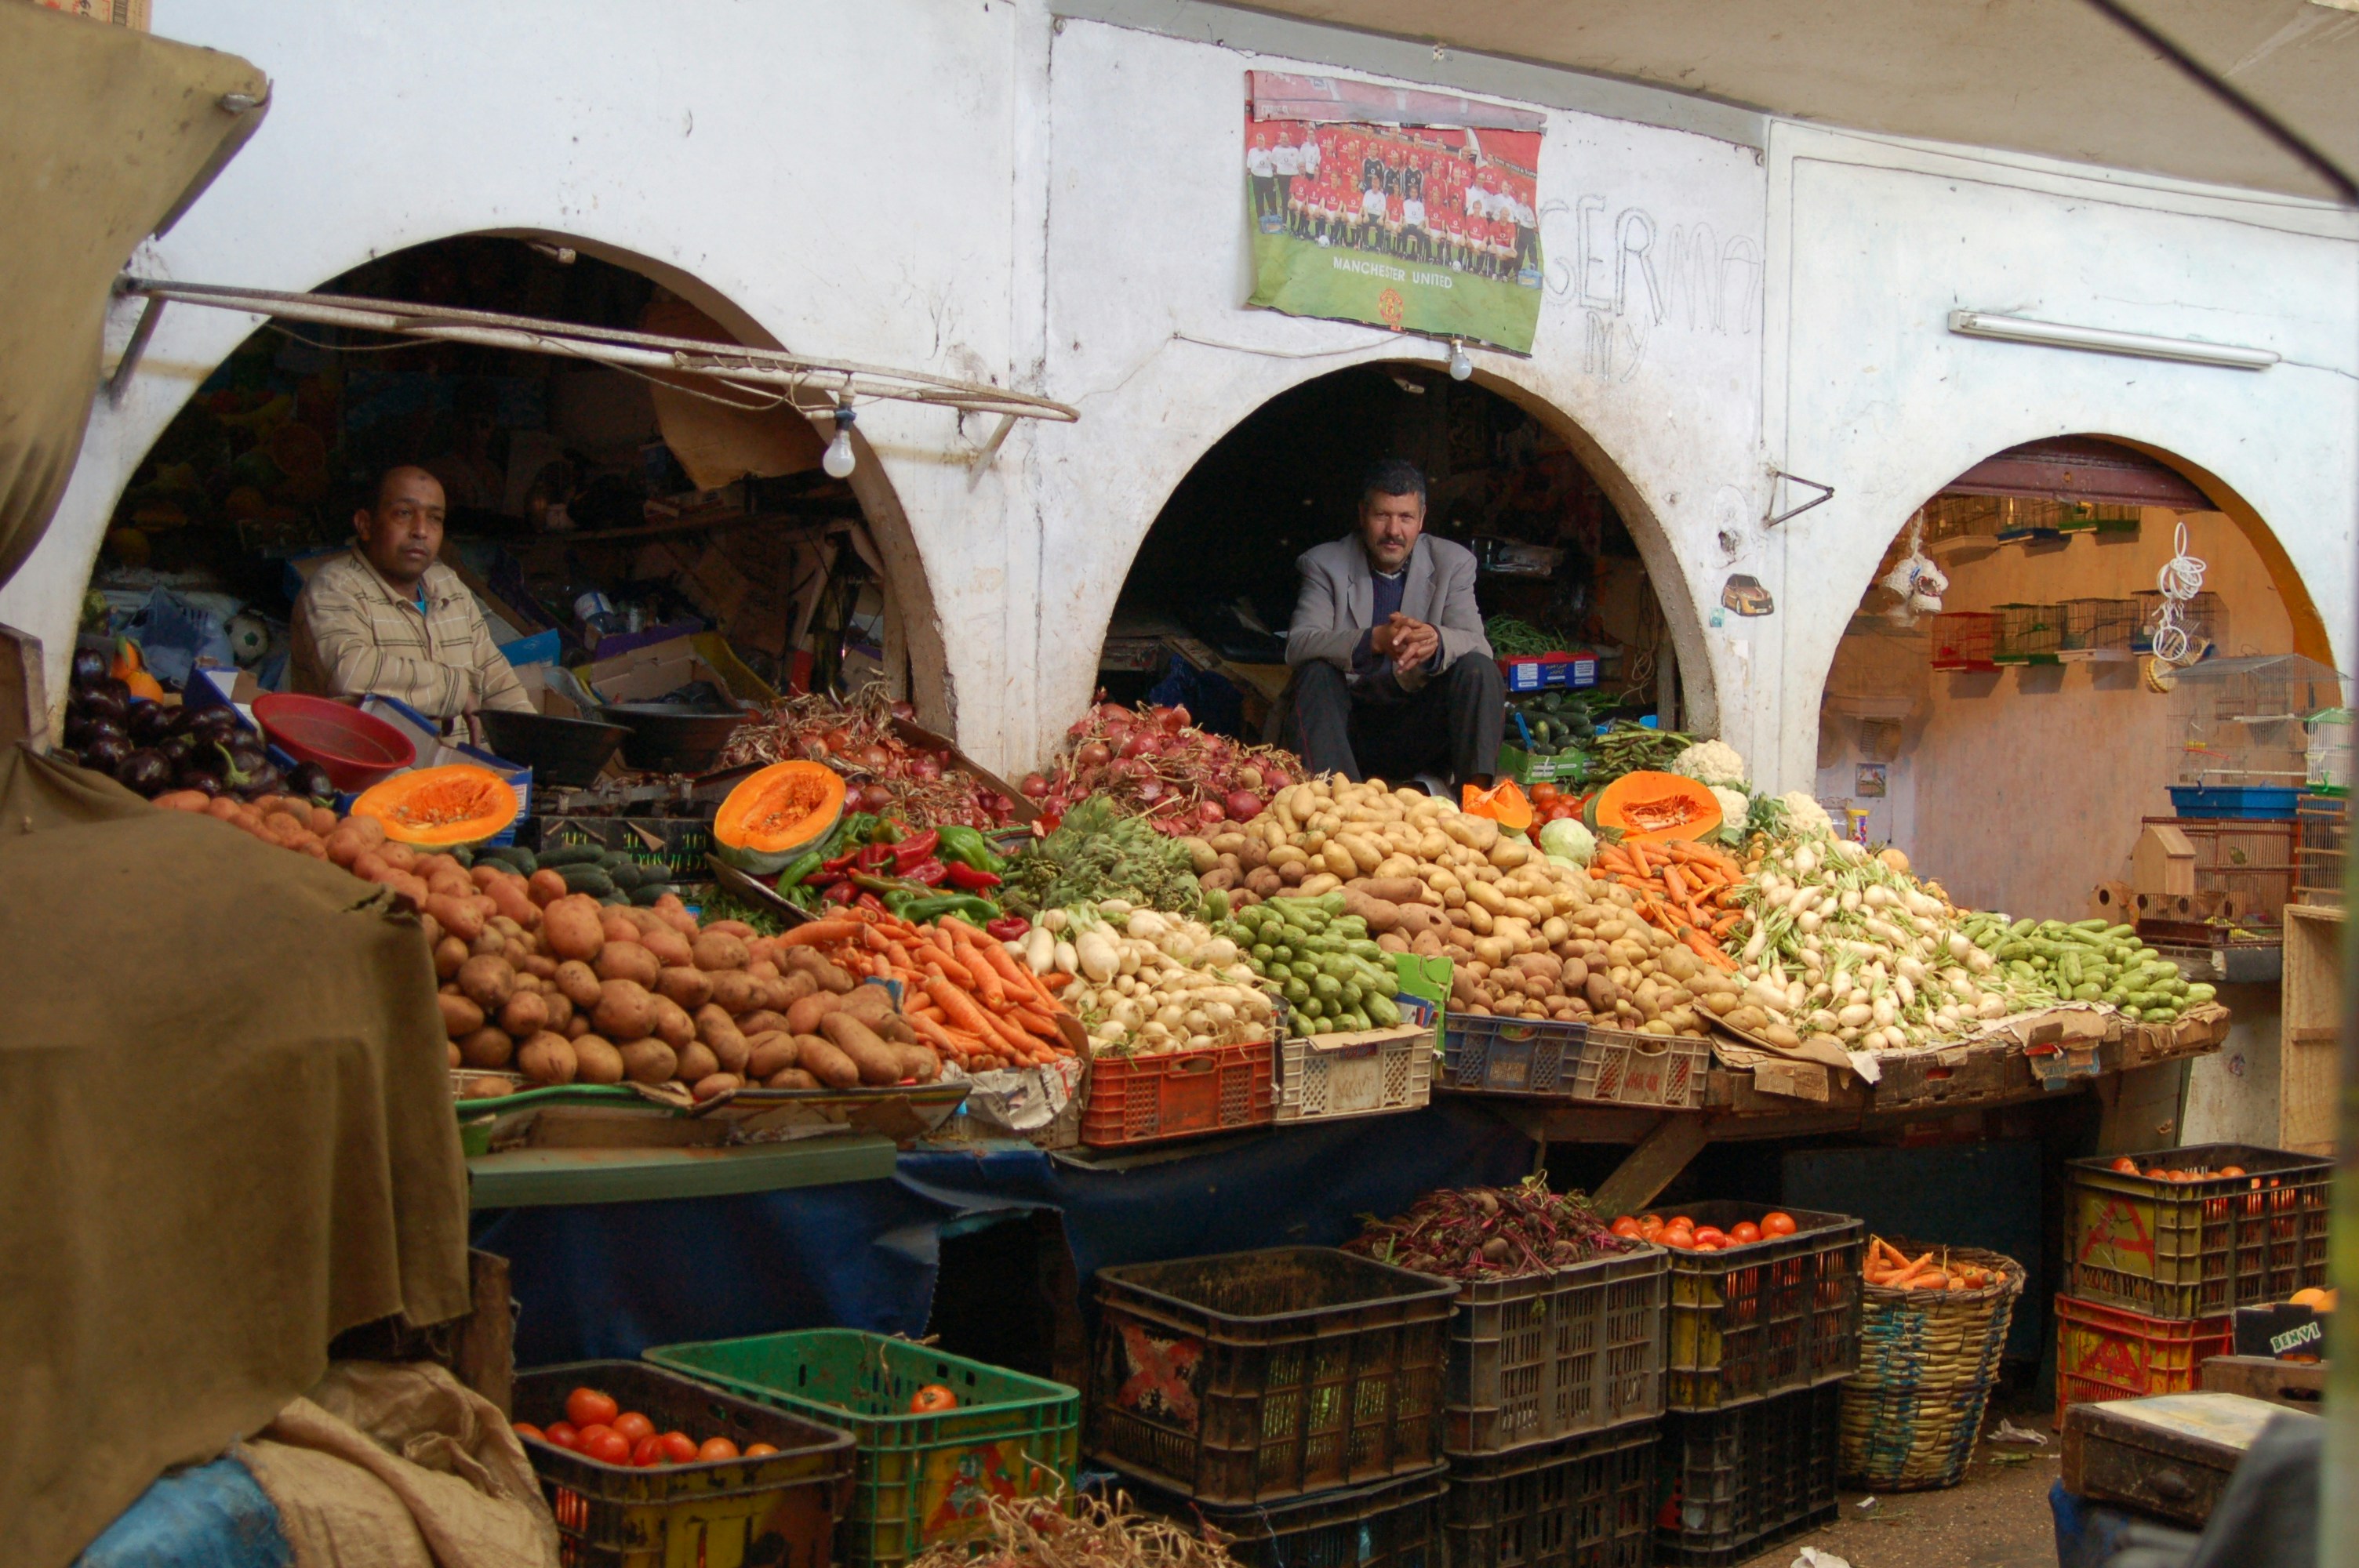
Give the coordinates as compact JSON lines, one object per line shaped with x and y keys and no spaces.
{"x":1653,"y":808}
{"x":1504,"y":803}
{"x":775,"y":814}
{"x":440,"y":808}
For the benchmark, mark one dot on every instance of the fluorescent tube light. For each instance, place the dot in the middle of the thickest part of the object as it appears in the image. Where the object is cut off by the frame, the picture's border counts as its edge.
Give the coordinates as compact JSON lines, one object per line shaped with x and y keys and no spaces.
{"x":2100,"y":340}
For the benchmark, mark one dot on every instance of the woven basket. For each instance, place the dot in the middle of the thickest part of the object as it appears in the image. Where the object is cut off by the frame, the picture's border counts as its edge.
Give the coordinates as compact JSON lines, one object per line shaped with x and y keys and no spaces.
{"x":1926,"y":1360}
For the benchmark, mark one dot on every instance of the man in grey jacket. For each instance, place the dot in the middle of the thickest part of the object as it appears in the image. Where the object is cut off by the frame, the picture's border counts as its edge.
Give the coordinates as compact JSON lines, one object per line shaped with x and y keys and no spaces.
{"x":1393,"y":675}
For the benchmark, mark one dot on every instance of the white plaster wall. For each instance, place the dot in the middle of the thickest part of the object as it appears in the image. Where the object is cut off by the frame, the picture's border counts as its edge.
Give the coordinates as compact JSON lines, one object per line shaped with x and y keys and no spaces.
{"x":975,"y":189}
{"x":1875,"y":242}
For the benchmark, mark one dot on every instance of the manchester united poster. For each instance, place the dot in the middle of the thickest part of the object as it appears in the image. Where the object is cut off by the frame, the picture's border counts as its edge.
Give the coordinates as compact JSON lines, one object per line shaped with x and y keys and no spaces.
{"x":1413,"y":210}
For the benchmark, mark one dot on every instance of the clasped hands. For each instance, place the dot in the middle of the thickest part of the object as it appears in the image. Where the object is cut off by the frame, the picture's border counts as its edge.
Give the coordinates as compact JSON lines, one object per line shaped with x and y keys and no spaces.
{"x":1410,"y":644}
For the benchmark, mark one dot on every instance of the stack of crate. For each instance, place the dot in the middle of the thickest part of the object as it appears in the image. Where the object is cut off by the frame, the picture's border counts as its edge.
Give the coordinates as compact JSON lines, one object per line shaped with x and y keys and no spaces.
{"x":1761,"y":1337}
{"x":2160,"y":1249}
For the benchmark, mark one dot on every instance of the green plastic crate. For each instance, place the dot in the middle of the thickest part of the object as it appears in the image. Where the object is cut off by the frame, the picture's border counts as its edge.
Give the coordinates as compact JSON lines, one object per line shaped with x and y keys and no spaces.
{"x":918,"y":1478}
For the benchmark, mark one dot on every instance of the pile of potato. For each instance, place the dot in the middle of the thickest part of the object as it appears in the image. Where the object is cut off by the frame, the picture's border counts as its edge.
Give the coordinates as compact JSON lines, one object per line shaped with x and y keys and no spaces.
{"x":564,"y":990}
{"x":1531,"y":937}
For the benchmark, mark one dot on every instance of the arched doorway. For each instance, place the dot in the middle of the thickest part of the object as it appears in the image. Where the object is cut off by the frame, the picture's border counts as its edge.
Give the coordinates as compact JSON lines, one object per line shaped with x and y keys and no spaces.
{"x":682,"y":507}
{"x":2012,"y":743}
{"x":1569,"y":559}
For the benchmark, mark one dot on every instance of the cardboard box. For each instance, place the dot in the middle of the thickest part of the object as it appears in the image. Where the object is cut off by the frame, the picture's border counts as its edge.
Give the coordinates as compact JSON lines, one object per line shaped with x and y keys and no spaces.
{"x":132,"y":14}
{"x":2280,"y":1330}
{"x":1572,"y":671}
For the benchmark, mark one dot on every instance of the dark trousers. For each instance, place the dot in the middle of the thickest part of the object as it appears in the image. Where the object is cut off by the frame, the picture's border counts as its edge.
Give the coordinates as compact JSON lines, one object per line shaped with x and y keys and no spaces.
{"x":1451,"y":724}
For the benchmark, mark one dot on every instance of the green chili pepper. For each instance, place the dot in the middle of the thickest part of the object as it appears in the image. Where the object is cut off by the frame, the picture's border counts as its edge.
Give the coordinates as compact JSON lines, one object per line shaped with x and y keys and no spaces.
{"x":800,"y":866}
{"x":880,"y":886}
{"x":968,"y":847}
{"x":966,"y":906}
{"x":898,"y":902}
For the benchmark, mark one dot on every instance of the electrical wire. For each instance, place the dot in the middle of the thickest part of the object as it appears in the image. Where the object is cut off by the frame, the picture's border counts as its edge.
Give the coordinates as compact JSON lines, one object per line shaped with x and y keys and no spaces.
{"x":2180,"y":580}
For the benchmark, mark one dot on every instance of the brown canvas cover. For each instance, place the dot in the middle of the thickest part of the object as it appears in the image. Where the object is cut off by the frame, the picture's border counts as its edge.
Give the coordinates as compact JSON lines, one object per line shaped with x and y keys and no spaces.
{"x":105,"y":135}
{"x":225,"y":1137}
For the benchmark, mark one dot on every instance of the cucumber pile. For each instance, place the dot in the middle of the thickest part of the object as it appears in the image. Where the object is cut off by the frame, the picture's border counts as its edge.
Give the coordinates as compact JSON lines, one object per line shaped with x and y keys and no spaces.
{"x":1321,"y":960}
{"x":610,"y":876}
{"x":2088,"y":960}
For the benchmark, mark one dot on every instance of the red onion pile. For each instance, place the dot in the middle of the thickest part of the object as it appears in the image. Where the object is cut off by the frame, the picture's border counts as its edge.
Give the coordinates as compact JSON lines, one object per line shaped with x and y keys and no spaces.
{"x":882,"y":771}
{"x":1152,"y":760}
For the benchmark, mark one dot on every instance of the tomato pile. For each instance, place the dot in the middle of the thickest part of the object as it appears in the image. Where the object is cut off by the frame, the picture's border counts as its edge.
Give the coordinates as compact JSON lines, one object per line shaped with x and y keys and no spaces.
{"x":1552,"y":804}
{"x":2129,"y":1167}
{"x":1683,"y":1234}
{"x":596,"y":1427}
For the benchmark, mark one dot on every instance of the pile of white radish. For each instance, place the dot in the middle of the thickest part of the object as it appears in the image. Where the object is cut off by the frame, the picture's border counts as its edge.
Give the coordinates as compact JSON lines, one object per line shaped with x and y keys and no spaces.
{"x":1146,"y":982}
{"x":1845,"y":945}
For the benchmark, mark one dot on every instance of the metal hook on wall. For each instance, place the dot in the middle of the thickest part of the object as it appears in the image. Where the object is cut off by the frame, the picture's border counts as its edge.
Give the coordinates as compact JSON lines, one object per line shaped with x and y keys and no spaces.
{"x":1825,"y":493}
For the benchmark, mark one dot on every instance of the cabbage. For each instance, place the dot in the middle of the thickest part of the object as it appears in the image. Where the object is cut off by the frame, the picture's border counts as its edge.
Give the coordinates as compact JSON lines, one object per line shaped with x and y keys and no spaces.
{"x":1566,"y":839}
{"x":1711,"y":763}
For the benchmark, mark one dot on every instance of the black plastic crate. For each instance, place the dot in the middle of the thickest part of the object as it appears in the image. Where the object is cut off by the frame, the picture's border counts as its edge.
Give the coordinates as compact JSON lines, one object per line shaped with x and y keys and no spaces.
{"x":2198,"y":1249}
{"x":1393,"y":1524}
{"x":1730,"y":1484}
{"x":780,"y":1508}
{"x":1551,"y":1356}
{"x":678,"y":844}
{"x":1579,"y":1502}
{"x":1766,"y":1317}
{"x":1258,"y":1375}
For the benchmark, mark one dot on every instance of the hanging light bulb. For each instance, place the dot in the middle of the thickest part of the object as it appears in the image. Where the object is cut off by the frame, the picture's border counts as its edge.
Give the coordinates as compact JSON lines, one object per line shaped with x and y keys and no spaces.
{"x":839,"y":458}
{"x":1461,"y":367}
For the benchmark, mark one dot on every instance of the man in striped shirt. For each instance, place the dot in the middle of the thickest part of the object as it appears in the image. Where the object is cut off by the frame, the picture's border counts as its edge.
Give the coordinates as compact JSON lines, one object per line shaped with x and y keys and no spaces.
{"x":389,"y":618}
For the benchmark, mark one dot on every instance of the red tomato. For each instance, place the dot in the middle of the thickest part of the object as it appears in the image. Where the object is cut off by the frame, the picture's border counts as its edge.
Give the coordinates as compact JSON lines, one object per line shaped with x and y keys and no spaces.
{"x":2232,"y":1169}
{"x":678,"y":1448}
{"x":608,"y":1447}
{"x":1777,"y":1222}
{"x":1653,"y":1219}
{"x":2157,"y":1174}
{"x":2125,"y":1165}
{"x":1743,"y":1233}
{"x":1703,"y":1246}
{"x":714,"y":1448}
{"x":756,"y":1449}
{"x":1626,"y":1226}
{"x":933,"y":1399}
{"x":588,"y":1407}
{"x":526,"y":1429}
{"x":633,"y":1425}
{"x":648,"y":1450}
{"x":561,"y":1433}
{"x":1679,"y":1235}
{"x":1543,"y":793}
{"x":1711,"y":1234}
{"x":1679,"y":1222}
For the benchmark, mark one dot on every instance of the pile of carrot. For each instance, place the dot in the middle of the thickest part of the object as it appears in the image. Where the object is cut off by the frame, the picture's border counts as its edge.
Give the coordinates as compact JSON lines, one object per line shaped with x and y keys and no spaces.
{"x":960,"y":989}
{"x":1686,"y":889}
{"x":1887,"y":1266}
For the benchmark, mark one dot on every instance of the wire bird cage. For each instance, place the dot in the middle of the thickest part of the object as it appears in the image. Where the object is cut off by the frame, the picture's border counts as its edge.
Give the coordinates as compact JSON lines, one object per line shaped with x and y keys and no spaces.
{"x":1959,"y":521}
{"x":2323,"y":826}
{"x":1965,"y":639}
{"x":2204,"y":618}
{"x":2029,"y":633}
{"x":2244,"y":728}
{"x":2098,"y":627}
{"x":2330,"y":751}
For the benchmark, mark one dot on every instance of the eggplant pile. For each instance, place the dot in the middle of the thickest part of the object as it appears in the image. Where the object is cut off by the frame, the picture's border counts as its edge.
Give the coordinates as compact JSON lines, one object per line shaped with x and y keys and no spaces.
{"x":149,"y":747}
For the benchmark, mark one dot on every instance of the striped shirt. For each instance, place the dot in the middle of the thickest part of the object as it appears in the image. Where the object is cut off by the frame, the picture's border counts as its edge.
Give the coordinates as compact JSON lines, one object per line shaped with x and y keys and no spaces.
{"x":353,"y":635}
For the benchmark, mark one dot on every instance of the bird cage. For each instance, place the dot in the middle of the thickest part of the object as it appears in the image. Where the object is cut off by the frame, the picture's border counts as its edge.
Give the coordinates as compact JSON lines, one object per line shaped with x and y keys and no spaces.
{"x":1965,"y":639}
{"x":2116,"y":522}
{"x":2330,"y":751}
{"x":2025,"y":520}
{"x":2204,"y":618}
{"x":2098,"y":627}
{"x":2029,"y":633}
{"x":2242,"y":728}
{"x":1959,"y":520}
{"x":2323,"y":825}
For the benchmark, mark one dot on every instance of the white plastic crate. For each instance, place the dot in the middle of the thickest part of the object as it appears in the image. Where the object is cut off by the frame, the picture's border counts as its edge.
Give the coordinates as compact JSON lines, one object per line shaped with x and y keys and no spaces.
{"x":1329,"y":1076}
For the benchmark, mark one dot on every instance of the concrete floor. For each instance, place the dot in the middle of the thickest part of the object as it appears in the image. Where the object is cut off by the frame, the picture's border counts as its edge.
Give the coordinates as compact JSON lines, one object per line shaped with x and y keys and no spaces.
{"x":1996,"y":1518}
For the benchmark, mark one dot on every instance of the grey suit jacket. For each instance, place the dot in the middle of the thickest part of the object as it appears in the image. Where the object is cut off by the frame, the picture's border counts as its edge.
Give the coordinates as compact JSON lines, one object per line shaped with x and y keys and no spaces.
{"x":1338,"y":603}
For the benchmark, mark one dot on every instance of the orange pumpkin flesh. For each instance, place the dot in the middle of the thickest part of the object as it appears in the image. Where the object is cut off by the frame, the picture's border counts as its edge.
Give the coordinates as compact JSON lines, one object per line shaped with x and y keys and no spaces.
{"x":775,"y":814}
{"x":1503,"y":803}
{"x":1653,"y":808}
{"x":438,"y":807}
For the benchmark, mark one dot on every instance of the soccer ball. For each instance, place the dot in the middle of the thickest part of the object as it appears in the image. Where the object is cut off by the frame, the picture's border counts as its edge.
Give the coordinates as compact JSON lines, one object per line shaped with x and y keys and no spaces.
{"x":249,"y":638}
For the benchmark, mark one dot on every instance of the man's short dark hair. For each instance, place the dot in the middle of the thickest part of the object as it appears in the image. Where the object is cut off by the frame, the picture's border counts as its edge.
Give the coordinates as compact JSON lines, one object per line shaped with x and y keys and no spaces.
{"x":1394,"y":476}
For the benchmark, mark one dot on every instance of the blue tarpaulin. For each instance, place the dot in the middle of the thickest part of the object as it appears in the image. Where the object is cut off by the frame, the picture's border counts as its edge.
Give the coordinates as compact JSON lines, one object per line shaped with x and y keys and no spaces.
{"x":609,"y":1280}
{"x":206,"y":1516}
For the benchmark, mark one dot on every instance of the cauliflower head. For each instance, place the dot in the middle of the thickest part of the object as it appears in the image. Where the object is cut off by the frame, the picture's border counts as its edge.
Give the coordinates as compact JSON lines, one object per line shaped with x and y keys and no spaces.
{"x":1734,"y":805}
{"x":1804,"y":813}
{"x":1711,"y":763}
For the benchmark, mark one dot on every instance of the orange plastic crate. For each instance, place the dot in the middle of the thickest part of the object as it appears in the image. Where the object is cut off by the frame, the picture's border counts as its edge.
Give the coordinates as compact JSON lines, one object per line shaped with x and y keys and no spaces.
{"x":2103,"y":1353}
{"x":1178,"y":1094}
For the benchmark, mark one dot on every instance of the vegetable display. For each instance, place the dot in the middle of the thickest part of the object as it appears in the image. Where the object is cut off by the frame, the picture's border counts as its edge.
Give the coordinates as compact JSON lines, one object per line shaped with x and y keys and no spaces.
{"x":1531,"y":937}
{"x":1151,"y":761}
{"x":1651,"y":807}
{"x":1144,"y":982}
{"x":1513,"y":639}
{"x":437,"y":808}
{"x":883,"y":771}
{"x":153,"y":748}
{"x":1681,"y":1234}
{"x":963,"y":994}
{"x":1320,"y":958}
{"x":1686,"y":889}
{"x":1711,"y":763}
{"x":1098,"y":852}
{"x":1887,"y":1266}
{"x":597,"y":1427}
{"x":1492,"y":1233}
{"x":775,"y":814}
{"x":2088,"y":960}
{"x":563,"y":989}
{"x":875,"y":863}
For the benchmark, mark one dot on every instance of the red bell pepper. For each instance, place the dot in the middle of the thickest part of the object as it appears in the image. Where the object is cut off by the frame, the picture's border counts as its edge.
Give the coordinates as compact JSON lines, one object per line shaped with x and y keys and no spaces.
{"x":841,"y":893}
{"x":967,"y":878}
{"x":1008,"y":928}
{"x":875,"y":857}
{"x":929,"y":871}
{"x":868,"y":901}
{"x":917,"y":846}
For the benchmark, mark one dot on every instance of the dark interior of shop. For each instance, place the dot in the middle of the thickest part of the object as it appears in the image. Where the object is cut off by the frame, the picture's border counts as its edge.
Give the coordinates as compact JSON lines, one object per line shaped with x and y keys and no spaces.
{"x":1218,"y":566}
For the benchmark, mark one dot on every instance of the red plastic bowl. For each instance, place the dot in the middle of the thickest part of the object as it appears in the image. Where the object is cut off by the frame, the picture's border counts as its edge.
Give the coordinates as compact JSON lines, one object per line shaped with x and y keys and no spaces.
{"x":357,"y":749}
